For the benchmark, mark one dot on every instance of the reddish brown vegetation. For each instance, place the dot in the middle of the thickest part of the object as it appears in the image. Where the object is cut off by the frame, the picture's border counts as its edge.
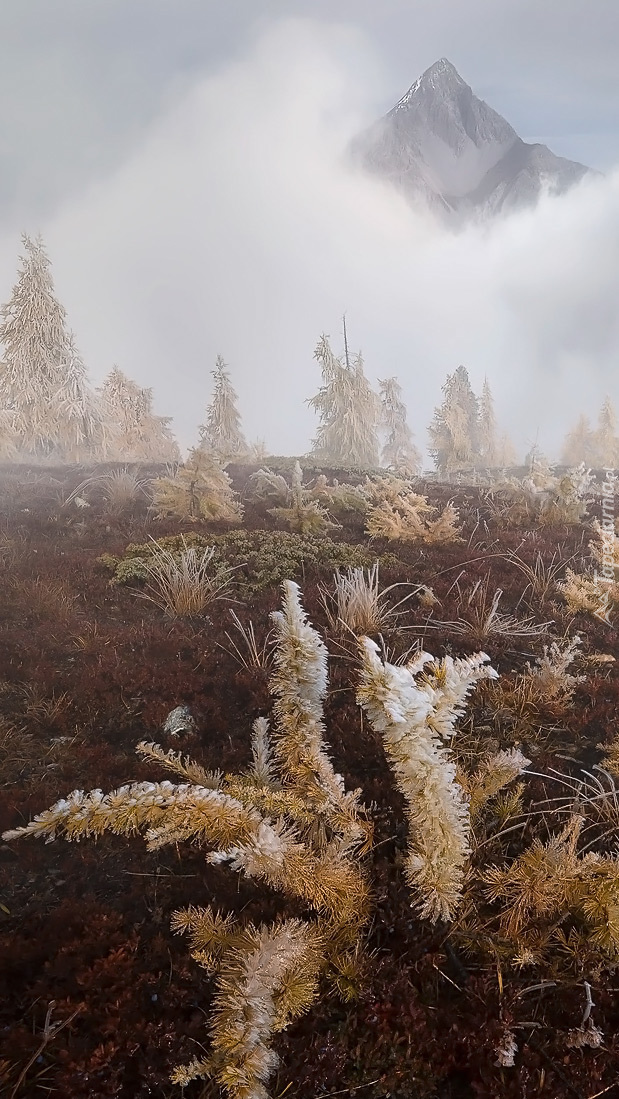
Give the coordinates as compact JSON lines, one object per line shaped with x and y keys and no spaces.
{"x":87,"y":670}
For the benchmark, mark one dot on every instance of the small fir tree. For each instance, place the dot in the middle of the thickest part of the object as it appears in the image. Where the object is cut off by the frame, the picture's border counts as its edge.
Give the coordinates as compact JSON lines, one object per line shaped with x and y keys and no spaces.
{"x":454,"y":431}
{"x":506,"y":452}
{"x":83,"y":432}
{"x":488,"y":445}
{"x":579,"y":444}
{"x":605,"y":441}
{"x":221,"y":435}
{"x":42,"y":377}
{"x":349,"y":412}
{"x":133,"y":432}
{"x":399,"y":452}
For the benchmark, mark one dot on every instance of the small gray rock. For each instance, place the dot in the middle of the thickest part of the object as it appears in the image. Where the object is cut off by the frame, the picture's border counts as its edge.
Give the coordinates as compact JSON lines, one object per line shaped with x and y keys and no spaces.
{"x":179,"y":721}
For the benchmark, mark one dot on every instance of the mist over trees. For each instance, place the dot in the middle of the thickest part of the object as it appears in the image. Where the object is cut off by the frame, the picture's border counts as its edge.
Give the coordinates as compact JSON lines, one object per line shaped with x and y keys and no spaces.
{"x":399,"y":451}
{"x":597,"y":447}
{"x":49,"y":412}
{"x":133,"y":432}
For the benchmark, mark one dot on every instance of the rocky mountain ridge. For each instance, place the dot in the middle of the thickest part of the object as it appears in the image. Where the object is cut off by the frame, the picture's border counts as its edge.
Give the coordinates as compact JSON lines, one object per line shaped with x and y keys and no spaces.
{"x":445,"y":148}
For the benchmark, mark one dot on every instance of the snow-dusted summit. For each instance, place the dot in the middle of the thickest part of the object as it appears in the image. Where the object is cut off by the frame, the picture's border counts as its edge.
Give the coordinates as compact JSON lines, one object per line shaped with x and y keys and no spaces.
{"x":443,"y":145}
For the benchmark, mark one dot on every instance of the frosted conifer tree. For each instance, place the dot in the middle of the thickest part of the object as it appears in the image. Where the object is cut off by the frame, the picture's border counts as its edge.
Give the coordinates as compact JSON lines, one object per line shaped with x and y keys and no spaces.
{"x":399,"y":452}
{"x":42,"y":377}
{"x":81,"y":418}
{"x":454,"y":431}
{"x":488,"y":445}
{"x":605,"y":441}
{"x":133,"y":432}
{"x":506,"y":452}
{"x":222,"y":436}
{"x":579,"y":444}
{"x":349,"y":412}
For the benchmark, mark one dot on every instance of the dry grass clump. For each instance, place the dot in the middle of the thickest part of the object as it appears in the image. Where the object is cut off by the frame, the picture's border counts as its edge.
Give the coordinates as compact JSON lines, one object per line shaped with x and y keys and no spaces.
{"x":47,"y":598}
{"x":120,"y":490}
{"x":359,"y":605}
{"x":479,"y":616}
{"x":542,"y":576}
{"x":245,"y":647}
{"x":183,"y":584}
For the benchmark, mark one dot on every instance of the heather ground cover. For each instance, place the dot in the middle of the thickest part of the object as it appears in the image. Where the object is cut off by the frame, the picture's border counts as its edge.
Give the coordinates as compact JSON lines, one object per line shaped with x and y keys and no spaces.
{"x":88,"y":668}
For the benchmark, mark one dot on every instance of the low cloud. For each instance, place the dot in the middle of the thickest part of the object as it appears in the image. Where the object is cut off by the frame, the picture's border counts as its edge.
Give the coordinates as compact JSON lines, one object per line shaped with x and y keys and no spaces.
{"x":236,"y":227}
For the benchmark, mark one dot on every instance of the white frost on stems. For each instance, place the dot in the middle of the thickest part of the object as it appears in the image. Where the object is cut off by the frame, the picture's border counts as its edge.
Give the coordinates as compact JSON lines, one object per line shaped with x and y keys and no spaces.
{"x":299,"y":687}
{"x":247,"y":1001}
{"x":262,"y":767}
{"x":175,"y":812}
{"x":412,"y":717}
{"x":300,"y":658}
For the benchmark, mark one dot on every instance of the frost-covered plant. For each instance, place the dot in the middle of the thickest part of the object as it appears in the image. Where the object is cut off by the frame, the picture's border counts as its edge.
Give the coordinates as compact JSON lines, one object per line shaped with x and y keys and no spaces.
{"x":358,"y":603}
{"x":221,"y":435}
{"x":399,"y":452}
{"x":493,"y":774}
{"x":605,"y":440}
{"x":133,"y":433}
{"x":579,"y":444}
{"x":338,"y":497}
{"x":9,"y":438}
{"x":42,"y":376}
{"x":302,"y":513}
{"x":183,"y":584}
{"x":549,"y":885}
{"x":416,"y":712}
{"x":265,"y":978}
{"x":348,"y":410}
{"x":287,"y":822}
{"x":605,"y":551}
{"x":406,"y":518}
{"x":454,"y":431}
{"x":200,"y":489}
{"x":488,"y":442}
{"x":549,"y":679}
{"x":589,"y":594}
{"x":265,"y":485}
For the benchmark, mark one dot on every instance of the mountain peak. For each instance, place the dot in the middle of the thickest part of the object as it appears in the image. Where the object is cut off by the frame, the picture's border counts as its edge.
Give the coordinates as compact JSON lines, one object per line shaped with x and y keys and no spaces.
{"x":441,"y":77}
{"x":443,"y":146}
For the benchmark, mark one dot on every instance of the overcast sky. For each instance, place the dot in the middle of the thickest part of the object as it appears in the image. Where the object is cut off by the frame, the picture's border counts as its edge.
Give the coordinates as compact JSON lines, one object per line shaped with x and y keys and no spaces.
{"x":181,"y":158}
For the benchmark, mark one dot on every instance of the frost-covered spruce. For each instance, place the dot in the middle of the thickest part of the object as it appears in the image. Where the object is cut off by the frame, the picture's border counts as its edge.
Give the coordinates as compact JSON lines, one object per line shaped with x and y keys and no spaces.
{"x":399,"y":452}
{"x":133,"y":432}
{"x":221,"y":435}
{"x":42,"y":376}
{"x":349,"y":412}
{"x":454,"y":431}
